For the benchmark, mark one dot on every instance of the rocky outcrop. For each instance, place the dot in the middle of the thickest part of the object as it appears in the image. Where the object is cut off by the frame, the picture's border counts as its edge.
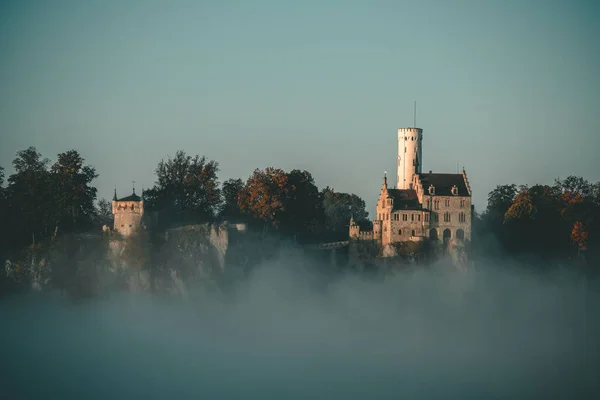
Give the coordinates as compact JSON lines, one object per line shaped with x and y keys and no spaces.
{"x":170,"y":262}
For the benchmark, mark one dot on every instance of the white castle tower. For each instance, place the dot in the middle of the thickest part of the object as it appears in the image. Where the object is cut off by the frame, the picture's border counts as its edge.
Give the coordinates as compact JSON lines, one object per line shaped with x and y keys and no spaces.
{"x":410,"y":156}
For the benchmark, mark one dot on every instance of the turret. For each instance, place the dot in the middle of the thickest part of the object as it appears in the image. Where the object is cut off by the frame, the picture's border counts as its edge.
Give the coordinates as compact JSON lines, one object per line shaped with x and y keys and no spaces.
{"x":410,"y":155}
{"x":354,"y":229}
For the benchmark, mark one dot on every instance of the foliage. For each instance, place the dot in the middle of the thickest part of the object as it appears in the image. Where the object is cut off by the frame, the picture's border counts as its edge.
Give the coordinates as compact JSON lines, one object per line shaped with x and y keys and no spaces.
{"x":547,"y":221}
{"x":104,"y":215}
{"x":230,"y":193}
{"x":186,"y":189}
{"x":339,"y":208}
{"x":73,"y":205}
{"x":264,"y":195}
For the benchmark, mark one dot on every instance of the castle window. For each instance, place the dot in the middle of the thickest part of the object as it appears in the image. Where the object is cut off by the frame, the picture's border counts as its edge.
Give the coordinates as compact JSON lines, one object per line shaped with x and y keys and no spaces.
{"x":446,"y":217}
{"x":436,"y":217}
{"x":412,"y":217}
{"x":462,"y":217}
{"x":436,"y":204}
{"x":419,"y":217}
{"x":426,"y":217}
{"x":122,"y":225}
{"x":399,"y":231}
{"x":404,"y":217}
{"x":429,"y":204}
{"x":130,"y":225}
{"x":462,"y":203}
{"x":447,"y":203}
{"x":412,"y":233}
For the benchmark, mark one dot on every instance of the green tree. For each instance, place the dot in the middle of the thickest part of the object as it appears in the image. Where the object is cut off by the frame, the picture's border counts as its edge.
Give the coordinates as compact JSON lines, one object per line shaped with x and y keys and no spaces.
{"x":304,"y":215}
{"x":339,"y":207}
{"x":29,"y":197}
{"x":104,"y":215}
{"x":230,"y":193}
{"x":73,"y":195}
{"x":186,"y":188}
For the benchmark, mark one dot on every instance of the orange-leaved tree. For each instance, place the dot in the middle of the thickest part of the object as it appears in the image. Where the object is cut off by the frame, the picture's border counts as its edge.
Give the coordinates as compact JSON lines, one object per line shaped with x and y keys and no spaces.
{"x":264,"y":195}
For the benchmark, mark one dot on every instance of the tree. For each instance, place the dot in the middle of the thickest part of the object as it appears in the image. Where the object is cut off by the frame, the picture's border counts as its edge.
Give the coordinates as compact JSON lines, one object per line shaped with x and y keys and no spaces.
{"x":304,"y":215}
{"x":73,"y":194}
{"x":29,"y":198}
{"x":104,"y":215}
{"x":339,"y":207}
{"x":264,"y":195}
{"x":230,"y":191}
{"x":522,"y":207}
{"x":186,"y":187}
{"x":499,"y":201}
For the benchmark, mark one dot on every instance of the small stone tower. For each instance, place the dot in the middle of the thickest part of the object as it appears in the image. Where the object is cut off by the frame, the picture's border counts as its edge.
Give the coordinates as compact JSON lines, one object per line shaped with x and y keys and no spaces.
{"x":354,"y":229}
{"x":128,"y":213}
{"x":410,"y":155}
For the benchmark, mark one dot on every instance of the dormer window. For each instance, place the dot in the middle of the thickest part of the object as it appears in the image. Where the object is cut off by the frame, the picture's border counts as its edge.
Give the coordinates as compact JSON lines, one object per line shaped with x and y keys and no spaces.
{"x":455,"y":190}
{"x":431,"y":190}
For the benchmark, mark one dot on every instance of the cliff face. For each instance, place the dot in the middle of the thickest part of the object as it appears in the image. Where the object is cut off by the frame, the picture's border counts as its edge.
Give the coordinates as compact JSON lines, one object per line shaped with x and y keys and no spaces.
{"x":91,"y":264}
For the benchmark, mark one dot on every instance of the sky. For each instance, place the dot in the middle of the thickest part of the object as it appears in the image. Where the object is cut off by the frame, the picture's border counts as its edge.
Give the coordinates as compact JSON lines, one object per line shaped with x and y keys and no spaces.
{"x":508,"y":89}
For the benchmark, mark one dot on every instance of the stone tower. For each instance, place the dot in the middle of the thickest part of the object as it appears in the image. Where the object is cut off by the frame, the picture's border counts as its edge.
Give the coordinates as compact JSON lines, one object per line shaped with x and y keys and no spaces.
{"x":128,"y":213}
{"x":410,"y":157}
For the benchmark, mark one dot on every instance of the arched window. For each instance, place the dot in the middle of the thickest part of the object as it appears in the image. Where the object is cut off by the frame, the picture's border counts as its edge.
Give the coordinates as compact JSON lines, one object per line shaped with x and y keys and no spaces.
{"x":400,"y":232}
{"x":447,"y":235}
{"x":460,"y":234}
{"x":412,"y":233}
{"x":433,"y":235}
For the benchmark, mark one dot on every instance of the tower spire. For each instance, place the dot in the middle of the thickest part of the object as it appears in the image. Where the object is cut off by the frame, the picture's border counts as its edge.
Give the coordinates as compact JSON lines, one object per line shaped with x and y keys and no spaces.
{"x":415,"y":115}
{"x":133,"y":184}
{"x":115,"y":196}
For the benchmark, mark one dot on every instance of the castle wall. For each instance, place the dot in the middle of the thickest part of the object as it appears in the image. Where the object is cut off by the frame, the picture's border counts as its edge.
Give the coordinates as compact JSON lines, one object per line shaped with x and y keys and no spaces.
{"x":403,"y":224}
{"x":449,"y":212}
{"x":127,"y":216}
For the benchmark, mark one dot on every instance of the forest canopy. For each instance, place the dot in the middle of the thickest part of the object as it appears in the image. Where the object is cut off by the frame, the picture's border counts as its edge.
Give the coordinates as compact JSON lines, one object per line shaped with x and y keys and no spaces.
{"x":42,"y":199}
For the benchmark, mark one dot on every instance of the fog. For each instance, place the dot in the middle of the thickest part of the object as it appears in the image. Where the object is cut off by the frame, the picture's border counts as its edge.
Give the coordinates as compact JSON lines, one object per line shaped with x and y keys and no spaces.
{"x":288,"y":332}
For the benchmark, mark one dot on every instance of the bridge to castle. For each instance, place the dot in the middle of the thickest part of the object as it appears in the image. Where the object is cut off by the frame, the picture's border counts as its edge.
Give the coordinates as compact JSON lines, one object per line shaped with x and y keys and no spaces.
{"x":330,"y":246}
{"x":335,"y":252}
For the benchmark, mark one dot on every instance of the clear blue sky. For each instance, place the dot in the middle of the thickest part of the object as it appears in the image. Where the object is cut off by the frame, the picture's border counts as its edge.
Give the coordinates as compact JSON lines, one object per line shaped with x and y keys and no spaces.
{"x":510,"y":89}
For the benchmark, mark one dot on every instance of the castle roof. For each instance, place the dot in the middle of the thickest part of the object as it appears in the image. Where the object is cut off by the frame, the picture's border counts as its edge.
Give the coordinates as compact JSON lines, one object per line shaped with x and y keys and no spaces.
{"x":132,"y":197}
{"x":443,"y":183}
{"x":404,"y":199}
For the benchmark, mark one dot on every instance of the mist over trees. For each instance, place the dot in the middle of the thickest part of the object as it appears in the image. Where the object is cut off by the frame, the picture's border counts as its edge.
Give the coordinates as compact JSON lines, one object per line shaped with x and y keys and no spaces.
{"x":42,"y":200}
{"x":549,"y":222}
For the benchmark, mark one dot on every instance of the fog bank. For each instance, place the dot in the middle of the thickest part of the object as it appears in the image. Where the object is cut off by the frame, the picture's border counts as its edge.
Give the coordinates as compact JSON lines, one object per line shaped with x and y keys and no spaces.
{"x":288,"y":333}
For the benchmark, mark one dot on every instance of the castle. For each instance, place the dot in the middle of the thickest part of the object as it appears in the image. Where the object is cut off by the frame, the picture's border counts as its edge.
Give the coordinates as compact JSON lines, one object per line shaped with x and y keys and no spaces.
{"x":128,"y":213}
{"x":423,"y":206}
